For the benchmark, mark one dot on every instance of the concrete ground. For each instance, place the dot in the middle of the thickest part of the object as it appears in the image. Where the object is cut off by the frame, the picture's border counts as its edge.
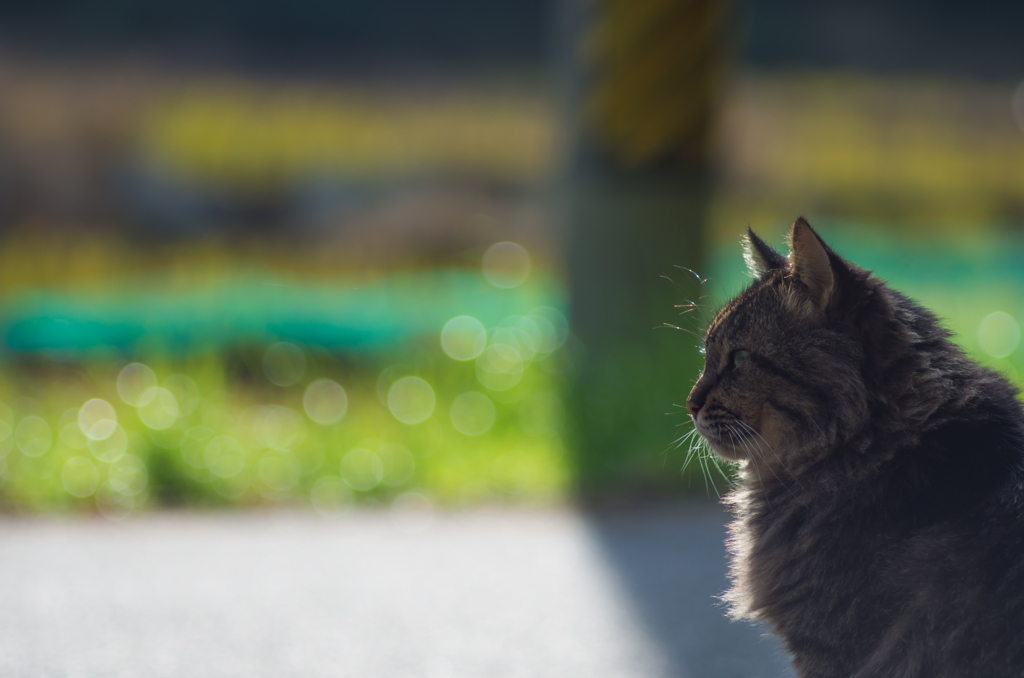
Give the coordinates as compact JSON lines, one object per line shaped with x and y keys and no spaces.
{"x":488,"y":594}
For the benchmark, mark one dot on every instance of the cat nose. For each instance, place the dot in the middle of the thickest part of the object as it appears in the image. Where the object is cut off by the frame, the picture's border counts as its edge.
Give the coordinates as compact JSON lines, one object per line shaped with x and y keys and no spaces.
{"x":698,"y":395}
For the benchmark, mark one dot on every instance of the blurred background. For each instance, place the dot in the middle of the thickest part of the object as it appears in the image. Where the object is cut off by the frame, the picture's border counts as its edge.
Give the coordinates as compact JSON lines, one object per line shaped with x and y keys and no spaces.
{"x":440,"y":269}
{"x":456,"y":254}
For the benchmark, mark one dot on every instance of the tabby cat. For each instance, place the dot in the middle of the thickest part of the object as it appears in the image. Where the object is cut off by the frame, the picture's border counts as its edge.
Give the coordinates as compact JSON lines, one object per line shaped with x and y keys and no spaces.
{"x":879,"y":517}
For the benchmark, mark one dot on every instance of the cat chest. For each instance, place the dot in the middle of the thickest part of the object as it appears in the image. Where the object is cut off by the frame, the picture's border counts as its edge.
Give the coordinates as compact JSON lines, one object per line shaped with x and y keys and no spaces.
{"x":835,"y":585}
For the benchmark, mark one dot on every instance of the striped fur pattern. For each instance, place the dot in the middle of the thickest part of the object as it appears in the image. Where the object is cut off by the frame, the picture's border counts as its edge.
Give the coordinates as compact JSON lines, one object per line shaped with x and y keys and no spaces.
{"x":879,"y":520}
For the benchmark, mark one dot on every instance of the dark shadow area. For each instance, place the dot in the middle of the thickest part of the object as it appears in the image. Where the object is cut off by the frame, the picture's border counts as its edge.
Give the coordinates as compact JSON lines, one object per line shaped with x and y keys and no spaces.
{"x":671,"y":562}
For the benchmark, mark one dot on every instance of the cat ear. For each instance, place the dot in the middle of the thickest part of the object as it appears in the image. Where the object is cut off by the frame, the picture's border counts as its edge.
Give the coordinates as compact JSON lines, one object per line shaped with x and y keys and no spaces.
{"x":811,"y":263}
{"x":759,"y":257}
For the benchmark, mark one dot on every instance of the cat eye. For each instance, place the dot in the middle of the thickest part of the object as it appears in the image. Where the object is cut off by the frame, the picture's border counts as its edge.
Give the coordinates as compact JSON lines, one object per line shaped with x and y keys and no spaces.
{"x":739,"y":357}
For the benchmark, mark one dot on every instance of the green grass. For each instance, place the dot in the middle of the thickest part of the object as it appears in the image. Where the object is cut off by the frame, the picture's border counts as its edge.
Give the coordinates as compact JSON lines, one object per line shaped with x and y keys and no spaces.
{"x":240,"y":440}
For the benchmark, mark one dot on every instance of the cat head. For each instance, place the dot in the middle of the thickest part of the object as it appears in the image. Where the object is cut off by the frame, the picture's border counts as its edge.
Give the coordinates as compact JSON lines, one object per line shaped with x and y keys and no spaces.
{"x":783,"y":375}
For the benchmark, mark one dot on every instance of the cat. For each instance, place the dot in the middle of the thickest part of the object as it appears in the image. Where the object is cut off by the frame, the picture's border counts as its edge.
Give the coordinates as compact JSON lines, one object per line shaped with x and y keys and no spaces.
{"x":878,"y":519}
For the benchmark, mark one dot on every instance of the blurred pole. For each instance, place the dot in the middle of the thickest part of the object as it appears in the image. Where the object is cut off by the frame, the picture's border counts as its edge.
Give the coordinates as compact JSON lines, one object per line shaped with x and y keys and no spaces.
{"x":641,"y":78}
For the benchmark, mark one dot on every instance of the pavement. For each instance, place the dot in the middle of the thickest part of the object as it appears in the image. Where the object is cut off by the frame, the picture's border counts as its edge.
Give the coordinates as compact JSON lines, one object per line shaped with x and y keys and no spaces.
{"x":377,"y":594}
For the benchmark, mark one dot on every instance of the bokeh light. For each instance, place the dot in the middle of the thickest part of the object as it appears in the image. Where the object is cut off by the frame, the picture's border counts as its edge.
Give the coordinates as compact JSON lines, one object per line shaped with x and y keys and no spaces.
{"x":362,"y":469}
{"x":225,"y":456}
{"x":273,"y":426}
{"x":284,"y":364}
{"x":397,"y":464}
{"x":110,"y":448}
{"x":6,"y":429}
{"x":330,"y":496}
{"x":521,"y":333}
{"x":228,"y":465}
{"x":193,"y":446}
{"x":79,"y":477}
{"x":231,"y":479}
{"x":97,"y":419}
{"x":185,"y":392}
{"x":113,"y":504}
{"x":463,"y":337}
{"x":128,"y":475}
{"x":279,"y":471}
{"x":412,"y":512}
{"x":170,"y":438}
{"x":506,"y":264}
{"x":999,"y":334}
{"x":411,"y":400}
{"x":33,"y":436}
{"x":387,"y":378}
{"x":135,"y":383}
{"x":325,"y":401}
{"x":552,"y":326}
{"x":472,"y":413}
{"x":271,"y":245}
{"x":500,"y":367}
{"x":160,"y":410}
{"x":221,"y":340}
{"x":70,"y":432}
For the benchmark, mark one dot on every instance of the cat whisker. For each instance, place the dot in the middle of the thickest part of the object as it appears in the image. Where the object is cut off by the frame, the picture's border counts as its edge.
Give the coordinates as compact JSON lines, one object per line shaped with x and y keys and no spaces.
{"x":702,"y":281}
{"x":703,"y":468}
{"x":678,"y":442}
{"x":764,"y":490}
{"x":765,"y":460}
{"x":706,"y":311}
{"x":700,"y":449}
{"x":679,"y":287}
{"x":705,"y":458}
{"x":675,"y":327}
{"x":738,"y":436}
{"x":749,"y":428}
{"x":692,"y":272}
{"x":695,"y":452}
{"x":717,"y":462}
{"x":692,"y":451}
{"x":708,"y":480}
{"x":769,"y":466}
